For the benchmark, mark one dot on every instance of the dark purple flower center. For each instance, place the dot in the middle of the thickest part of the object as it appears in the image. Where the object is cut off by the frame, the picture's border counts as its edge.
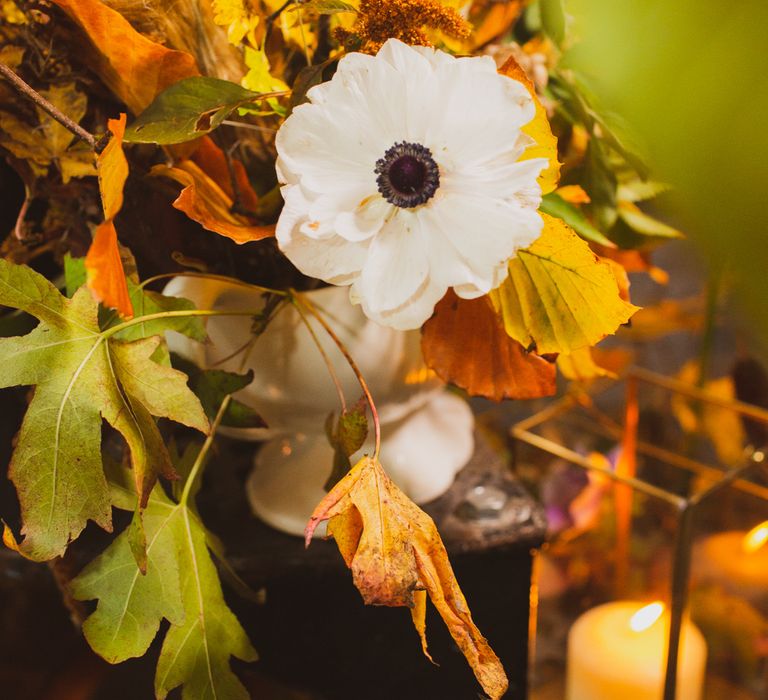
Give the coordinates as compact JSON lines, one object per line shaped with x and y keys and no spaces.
{"x":407,"y":175}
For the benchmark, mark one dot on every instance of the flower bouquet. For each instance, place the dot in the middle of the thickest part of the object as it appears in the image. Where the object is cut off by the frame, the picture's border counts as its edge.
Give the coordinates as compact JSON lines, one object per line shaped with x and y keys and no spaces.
{"x":430,"y":158}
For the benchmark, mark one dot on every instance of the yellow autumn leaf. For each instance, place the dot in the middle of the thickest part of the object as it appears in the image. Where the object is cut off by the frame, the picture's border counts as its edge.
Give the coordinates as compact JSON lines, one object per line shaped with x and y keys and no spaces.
{"x":48,"y":141}
{"x":559,"y":295}
{"x":103,"y":263}
{"x":586,"y":364}
{"x":721,"y":425}
{"x":538,"y":129}
{"x":70,"y":101}
{"x":258,"y":78}
{"x":396,"y":557}
{"x":236,"y":16}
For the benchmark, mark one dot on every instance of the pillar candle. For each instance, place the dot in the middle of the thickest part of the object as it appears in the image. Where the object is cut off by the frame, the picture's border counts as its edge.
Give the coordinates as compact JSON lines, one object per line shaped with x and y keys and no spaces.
{"x":609,"y":660}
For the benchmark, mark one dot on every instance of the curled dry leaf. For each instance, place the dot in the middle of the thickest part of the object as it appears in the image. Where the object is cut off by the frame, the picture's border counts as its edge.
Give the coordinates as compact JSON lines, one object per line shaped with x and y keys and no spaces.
{"x":213,"y":163}
{"x":538,"y":129}
{"x":204,"y":201}
{"x":397,"y":557}
{"x":135,"y":68}
{"x":106,"y":276}
{"x":466,"y":344}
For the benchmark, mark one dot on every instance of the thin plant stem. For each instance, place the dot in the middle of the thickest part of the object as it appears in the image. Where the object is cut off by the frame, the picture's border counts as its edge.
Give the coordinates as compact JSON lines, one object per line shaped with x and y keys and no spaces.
{"x":22,"y":87}
{"x":246,"y":125}
{"x":198,"y":463}
{"x":331,"y":369}
{"x":211,"y":276}
{"x":301,"y":299}
{"x":184,"y":313}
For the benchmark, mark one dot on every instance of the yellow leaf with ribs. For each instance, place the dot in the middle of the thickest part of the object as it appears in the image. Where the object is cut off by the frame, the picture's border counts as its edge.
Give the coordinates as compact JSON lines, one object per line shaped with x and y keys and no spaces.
{"x":397,"y":558}
{"x":560,"y":296}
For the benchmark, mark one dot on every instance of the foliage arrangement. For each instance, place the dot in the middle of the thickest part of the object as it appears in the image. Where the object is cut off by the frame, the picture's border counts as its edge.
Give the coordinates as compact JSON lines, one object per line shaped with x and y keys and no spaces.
{"x":373,"y":144}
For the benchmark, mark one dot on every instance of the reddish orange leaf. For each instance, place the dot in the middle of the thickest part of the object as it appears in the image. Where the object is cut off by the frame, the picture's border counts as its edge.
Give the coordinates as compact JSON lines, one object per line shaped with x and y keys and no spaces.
{"x":213,"y":163}
{"x":135,"y":68}
{"x":466,"y":344}
{"x":204,"y":201}
{"x":538,"y":129}
{"x":106,"y":276}
{"x":396,"y":554}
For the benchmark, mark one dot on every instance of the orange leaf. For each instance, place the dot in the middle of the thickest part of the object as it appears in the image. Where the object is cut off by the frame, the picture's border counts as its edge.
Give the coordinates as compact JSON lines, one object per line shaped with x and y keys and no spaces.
{"x":204,"y":201}
{"x":466,"y":344}
{"x":213,"y":162}
{"x":395,"y":554}
{"x":574,"y":194}
{"x":135,"y":68}
{"x":538,"y":129}
{"x":106,"y":276}
{"x":112,"y":168}
{"x":634,"y":261}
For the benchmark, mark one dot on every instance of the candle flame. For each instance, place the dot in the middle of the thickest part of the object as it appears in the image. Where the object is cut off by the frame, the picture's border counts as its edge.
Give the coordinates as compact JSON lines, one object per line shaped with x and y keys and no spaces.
{"x":755,"y":538}
{"x":646,"y":616}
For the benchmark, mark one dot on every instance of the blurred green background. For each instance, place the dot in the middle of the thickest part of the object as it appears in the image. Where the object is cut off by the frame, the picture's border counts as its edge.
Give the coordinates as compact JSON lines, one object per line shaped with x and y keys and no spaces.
{"x":691,"y":77}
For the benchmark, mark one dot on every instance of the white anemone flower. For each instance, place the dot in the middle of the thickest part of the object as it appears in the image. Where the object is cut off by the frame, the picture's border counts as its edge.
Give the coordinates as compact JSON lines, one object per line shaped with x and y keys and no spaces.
{"x":402,"y":177}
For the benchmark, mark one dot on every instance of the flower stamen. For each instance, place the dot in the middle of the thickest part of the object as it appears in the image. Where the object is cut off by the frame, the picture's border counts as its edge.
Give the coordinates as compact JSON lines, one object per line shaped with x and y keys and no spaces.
{"x":407,"y":175}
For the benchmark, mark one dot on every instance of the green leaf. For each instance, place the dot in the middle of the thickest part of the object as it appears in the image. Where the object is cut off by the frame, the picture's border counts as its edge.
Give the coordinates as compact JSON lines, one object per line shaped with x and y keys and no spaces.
{"x":146,"y":303}
{"x":559,"y":296}
{"x":131,"y":605}
{"x":323,"y":7}
{"x":554,"y":205}
{"x":637,"y":190}
{"x":212,"y":385}
{"x":182,"y":586}
{"x":81,"y":375}
{"x":74,"y":274}
{"x":600,"y":183}
{"x":645,"y":224}
{"x":188,"y":109}
{"x":346,"y":436}
{"x":308,"y":77}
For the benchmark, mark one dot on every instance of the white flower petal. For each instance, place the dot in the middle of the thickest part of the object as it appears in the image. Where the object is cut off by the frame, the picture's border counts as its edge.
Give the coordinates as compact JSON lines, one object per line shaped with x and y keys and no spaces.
{"x":397,"y":264}
{"x":365,"y":221}
{"x":412,"y":314}
{"x":513,"y":181}
{"x":335,"y":259}
{"x":483,"y":232}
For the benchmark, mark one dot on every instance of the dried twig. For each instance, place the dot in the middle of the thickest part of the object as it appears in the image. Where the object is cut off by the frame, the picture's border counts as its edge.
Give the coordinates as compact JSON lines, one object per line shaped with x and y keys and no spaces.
{"x":44,"y":104}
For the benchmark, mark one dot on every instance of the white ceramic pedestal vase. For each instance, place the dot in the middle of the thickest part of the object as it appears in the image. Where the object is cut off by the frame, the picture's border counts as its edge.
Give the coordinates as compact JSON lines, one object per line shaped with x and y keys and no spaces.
{"x":427,"y":433}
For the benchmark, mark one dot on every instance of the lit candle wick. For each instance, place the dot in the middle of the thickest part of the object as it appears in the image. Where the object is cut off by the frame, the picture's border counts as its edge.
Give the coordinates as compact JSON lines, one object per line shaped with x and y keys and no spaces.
{"x":755,"y":538}
{"x":646,"y":616}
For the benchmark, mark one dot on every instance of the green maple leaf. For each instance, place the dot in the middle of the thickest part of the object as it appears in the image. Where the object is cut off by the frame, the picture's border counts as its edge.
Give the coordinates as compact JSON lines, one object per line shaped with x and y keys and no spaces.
{"x":181,"y":585}
{"x":81,"y":374}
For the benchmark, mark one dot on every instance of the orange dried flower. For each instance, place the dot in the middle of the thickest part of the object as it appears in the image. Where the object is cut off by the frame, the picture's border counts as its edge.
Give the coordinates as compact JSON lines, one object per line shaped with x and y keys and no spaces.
{"x":379,"y":20}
